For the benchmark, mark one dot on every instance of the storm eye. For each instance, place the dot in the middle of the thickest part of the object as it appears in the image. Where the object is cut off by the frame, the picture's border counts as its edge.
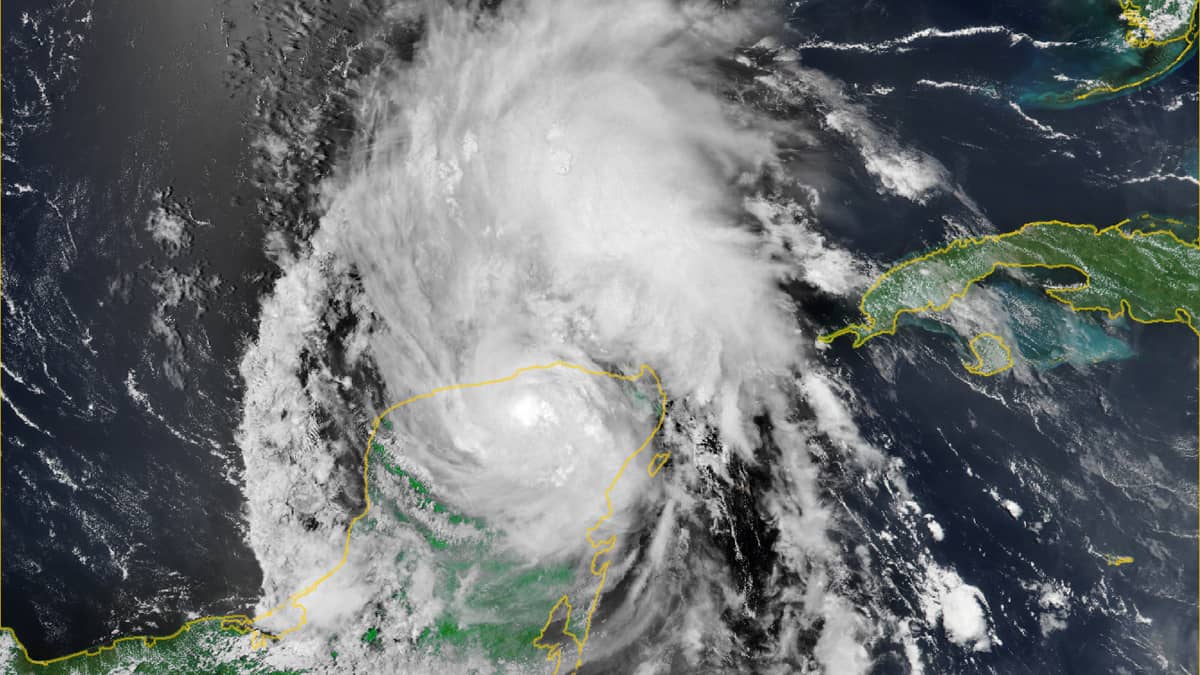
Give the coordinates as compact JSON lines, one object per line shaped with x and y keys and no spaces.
{"x":531,"y":410}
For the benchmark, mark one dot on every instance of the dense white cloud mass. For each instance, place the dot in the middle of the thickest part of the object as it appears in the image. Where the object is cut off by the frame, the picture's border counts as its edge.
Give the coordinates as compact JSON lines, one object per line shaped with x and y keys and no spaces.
{"x":552,"y":180}
{"x":569,"y":200}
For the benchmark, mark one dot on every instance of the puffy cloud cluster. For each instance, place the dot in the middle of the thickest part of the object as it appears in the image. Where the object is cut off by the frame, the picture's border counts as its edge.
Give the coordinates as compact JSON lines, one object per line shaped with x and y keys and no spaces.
{"x":548,"y":180}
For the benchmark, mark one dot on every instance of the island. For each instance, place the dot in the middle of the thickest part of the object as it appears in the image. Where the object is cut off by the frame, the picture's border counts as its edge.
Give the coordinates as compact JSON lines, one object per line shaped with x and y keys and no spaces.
{"x":992,"y":356}
{"x":1155,"y":37}
{"x":1149,"y":275}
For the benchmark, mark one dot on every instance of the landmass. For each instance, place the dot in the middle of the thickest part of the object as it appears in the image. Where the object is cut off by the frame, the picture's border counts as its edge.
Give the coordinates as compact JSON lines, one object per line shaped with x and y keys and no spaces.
{"x":1149,"y":275}
{"x":992,"y":356}
{"x":1158,"y":36}
{"x":509,"y":610}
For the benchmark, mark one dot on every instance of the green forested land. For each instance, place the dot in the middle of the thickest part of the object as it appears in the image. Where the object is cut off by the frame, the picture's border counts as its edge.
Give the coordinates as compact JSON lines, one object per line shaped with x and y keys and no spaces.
{"x":1153,"y":276}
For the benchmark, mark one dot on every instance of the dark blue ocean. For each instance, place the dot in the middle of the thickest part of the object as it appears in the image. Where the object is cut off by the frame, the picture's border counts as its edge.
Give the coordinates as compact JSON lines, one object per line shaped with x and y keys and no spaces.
{"x":118,"y":512}
{"x":1079,"y":467}
{"x":121,"y":504}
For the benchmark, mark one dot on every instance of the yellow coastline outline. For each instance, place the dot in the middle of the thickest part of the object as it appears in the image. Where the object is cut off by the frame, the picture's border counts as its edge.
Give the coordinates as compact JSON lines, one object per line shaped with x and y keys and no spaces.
{"x":1118,"y":560}
{"x":238,"y":622}
{"x":1181,"y":316}
{"x":977,"y":368}
{"x":244,"y":624}
{"x":235,"y":622}
{"x":554,"y":650}
{"x":1132,"y":13}
{"x":869,"y":324}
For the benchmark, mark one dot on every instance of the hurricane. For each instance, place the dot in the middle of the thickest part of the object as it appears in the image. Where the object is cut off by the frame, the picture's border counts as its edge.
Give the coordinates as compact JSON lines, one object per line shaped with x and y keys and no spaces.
{"x":543,"y":182}
{"x":599,"y":336}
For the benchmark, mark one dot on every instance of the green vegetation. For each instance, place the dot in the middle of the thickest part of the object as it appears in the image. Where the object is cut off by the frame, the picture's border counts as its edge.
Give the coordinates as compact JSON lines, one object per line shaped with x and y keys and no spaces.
{"x":204,"y":648}
{"x":505,"y":600}
{"x":418,"y":499}
{"x":491,"y":601}
{"x":992,"y":356}
{"x":1149,"y":276}
{"x":1153,"y":38}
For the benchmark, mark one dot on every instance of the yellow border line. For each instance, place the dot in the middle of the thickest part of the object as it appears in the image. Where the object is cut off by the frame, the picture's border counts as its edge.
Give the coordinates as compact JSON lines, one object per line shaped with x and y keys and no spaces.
{"x":258,"y":639}
{"x":656,"y":461}
{"x":1181,"y":315}
{"x":977,"y":368}
{"x":868,"y":325}
{"x":554,"y":650}
{"x":231,"y":621}
{"x":1132,"y":13}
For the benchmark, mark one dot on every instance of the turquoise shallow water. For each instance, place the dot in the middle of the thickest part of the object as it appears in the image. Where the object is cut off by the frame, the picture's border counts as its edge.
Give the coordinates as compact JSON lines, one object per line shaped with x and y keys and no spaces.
{"x":1047,"y":333}
{"x":1091,"y":48}
{"x":1050,"y":334}
{"x":1100,"y":455}
{"x":1114,"y":66}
